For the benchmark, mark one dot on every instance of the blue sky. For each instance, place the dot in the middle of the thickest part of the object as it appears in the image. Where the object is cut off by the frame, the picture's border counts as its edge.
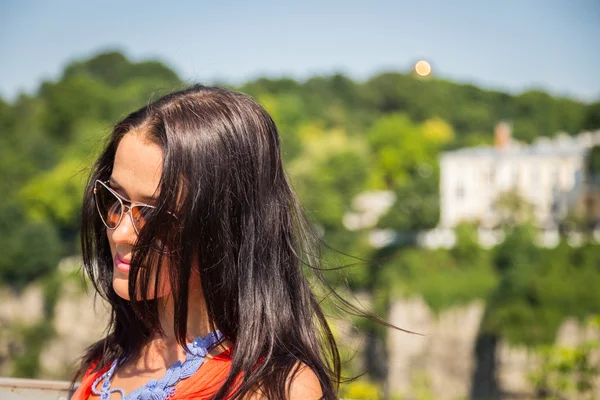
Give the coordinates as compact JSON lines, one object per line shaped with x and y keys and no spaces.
{"x":510,"y":45}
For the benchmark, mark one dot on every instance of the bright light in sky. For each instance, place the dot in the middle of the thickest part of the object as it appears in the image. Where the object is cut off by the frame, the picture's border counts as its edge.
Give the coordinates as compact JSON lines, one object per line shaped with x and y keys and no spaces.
{"x":423,"y":68}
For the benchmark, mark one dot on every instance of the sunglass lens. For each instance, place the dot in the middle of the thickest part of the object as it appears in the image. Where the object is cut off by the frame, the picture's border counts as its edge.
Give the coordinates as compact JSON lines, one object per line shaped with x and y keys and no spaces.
{"x":140,"y":216}
{"x":108,"y":205}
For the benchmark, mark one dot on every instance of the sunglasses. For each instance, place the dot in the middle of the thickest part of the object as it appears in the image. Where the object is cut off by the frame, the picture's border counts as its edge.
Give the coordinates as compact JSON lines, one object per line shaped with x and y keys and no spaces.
{"x":113,"y":207}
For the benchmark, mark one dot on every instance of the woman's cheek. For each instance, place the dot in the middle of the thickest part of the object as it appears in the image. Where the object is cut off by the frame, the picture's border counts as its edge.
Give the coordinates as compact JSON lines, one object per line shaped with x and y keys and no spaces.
{"x":164,"y":286}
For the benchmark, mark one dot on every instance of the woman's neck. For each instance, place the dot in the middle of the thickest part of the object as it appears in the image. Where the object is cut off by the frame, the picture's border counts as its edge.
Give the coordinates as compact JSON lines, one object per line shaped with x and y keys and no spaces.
{"x":164,"y":348}
{"x":198,"y":323}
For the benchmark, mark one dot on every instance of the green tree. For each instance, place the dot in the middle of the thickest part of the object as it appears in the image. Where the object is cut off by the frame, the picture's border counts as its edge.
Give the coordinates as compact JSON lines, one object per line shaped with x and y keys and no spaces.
{"x":467,"y":249}
{"x":114,"y":69}
{"x":399,"y":149}
{"x":592,"y":164}
{"x":326,"y":193}
{"x":567,"y":371}
{"x":513,"y":209}
{"x":31,"y":248}
{"x":592,"y":116}
{"x":404,"y":158}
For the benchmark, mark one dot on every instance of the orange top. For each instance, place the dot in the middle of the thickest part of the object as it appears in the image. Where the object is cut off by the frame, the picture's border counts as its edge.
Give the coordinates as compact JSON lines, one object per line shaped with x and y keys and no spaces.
{"x":202,"y":385}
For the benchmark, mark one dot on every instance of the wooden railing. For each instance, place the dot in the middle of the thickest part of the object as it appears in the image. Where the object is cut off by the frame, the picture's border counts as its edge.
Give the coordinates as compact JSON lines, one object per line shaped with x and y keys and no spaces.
{"x":33,"y":389}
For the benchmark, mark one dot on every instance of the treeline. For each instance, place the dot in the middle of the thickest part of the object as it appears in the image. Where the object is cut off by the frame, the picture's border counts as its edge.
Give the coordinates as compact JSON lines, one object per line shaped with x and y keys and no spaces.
{"x":471,"y":111}
{"x":339,"y":138}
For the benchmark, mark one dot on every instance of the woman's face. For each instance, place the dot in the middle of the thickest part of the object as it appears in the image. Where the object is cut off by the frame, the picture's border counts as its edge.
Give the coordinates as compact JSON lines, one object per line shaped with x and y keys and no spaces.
{"x":135,"y":177}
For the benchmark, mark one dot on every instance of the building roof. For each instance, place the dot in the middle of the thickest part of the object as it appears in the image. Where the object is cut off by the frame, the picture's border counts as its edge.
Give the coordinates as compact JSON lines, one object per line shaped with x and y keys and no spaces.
{"x":561,"y":145}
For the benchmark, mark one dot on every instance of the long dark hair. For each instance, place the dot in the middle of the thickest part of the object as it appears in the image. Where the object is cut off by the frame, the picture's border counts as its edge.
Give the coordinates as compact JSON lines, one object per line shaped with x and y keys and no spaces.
{"x":237,"y":213}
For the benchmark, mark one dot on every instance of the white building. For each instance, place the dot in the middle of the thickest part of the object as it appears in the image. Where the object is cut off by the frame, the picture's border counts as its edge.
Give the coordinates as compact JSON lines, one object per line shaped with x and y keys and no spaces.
{"x":548,"y":174}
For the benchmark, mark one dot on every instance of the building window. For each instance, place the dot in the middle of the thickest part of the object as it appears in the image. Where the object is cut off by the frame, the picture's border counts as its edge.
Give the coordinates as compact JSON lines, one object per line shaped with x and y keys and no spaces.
{"x":491,"y":175}
{"x":515,"y":177}
{"x":554,"y":178}
{"x":460,"y":191}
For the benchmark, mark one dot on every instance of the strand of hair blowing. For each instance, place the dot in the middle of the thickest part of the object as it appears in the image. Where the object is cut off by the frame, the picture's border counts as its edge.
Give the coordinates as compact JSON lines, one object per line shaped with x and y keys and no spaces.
{"x":240,"y":219}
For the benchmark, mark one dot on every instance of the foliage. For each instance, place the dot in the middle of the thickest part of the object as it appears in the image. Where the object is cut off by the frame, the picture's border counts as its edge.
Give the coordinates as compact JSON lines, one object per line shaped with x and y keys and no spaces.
{"x":467,"y":249}
{"x":592,"y":166}
{"x":566,"y":372}
{"x":592,"y":116}
{"x":31,"y":248}
{"x":513,"y":209}
{"x":33,"y":338}
{"x":392,"y":136}
{"x":326,"y":194}
{"x":404,"y":158}
{"x":539,"y":288}
{"x":422,"y":386}
{"x":25,"y":363}
{"x":444,"y":278}
{"x":46,"y":143}
{"x":360,"y":390}
{"x":529,"y":290}
{"x":339,"y":137}
{"x":114,"y":69}
{"x":417,"y":205}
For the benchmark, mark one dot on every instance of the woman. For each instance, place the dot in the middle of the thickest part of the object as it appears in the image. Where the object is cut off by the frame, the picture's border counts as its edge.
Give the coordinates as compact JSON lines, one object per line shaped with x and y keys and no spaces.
{"x":193,"y":235}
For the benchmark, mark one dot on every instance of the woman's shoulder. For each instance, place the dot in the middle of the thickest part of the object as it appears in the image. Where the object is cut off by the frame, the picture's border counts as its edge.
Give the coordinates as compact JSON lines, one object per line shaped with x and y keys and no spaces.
{"x":302,"y":382}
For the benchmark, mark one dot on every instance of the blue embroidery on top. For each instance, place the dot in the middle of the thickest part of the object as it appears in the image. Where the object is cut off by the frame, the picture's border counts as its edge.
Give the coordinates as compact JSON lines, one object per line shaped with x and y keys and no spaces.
{"x":161,"y":389}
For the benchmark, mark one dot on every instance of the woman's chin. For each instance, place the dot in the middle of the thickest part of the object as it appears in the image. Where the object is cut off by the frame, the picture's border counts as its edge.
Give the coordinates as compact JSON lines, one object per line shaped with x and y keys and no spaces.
{"x":121,"y":288}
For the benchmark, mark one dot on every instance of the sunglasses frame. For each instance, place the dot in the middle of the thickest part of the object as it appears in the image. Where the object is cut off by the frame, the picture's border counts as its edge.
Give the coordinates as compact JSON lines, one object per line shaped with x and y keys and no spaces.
{"x":124,"y":202}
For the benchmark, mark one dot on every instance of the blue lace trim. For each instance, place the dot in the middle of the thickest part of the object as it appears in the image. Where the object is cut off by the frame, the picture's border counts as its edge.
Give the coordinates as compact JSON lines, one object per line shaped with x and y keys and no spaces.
{"x":161,"y":389}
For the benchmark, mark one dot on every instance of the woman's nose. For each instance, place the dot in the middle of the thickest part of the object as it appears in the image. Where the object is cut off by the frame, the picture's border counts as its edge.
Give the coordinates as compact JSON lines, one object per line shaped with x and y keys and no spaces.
{"x":125,"y":232}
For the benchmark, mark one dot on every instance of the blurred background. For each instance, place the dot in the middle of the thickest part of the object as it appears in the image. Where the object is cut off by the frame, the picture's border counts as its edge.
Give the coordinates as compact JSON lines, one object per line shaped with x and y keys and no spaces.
{"x":456,"y":142}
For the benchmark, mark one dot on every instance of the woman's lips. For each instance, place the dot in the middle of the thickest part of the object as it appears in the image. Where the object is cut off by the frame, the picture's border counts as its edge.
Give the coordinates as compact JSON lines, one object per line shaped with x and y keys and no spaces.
{"x":121,"y":265}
